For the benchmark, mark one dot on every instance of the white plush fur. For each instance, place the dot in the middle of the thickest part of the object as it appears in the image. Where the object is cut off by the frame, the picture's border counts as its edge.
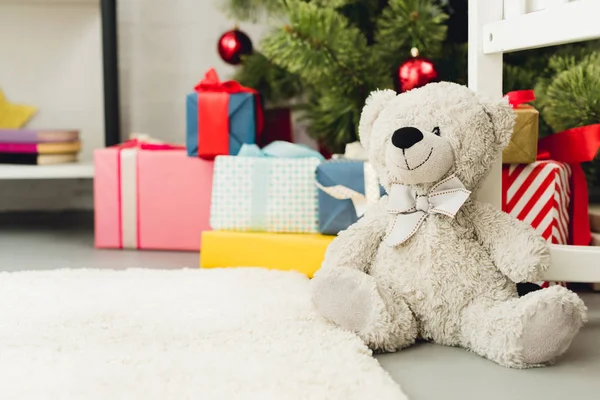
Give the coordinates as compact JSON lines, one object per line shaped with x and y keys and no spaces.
{"x":453,"y":282}
{"x":222,"y":334}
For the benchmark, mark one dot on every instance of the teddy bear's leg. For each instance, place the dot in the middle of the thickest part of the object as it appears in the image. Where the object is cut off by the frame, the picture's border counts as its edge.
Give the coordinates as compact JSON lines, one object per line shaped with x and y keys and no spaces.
{"x":354,"y":301}
{"x":524,"y":332}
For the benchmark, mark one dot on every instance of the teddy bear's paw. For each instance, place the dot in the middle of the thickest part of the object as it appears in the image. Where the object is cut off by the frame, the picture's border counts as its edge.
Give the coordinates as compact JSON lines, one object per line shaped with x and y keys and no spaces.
{"x":551,"y":319}
{"x":394,"y":328}
{"x":347,"y":297}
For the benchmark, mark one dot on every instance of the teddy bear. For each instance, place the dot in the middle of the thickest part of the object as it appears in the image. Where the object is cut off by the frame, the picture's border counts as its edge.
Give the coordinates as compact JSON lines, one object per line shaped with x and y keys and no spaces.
{"x":430,"y":262}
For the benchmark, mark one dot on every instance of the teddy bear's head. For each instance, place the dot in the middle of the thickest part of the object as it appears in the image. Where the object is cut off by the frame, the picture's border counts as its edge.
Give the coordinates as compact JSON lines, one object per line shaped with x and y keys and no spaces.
{"x":421,"y":136}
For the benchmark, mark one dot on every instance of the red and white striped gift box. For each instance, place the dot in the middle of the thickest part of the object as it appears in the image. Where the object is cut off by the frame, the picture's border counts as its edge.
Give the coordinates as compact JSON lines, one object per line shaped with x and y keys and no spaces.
{"x":539,"y":194}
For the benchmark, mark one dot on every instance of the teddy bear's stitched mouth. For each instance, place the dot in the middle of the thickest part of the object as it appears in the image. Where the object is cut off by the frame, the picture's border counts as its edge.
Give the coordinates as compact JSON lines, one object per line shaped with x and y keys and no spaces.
{"x":408,"y":168}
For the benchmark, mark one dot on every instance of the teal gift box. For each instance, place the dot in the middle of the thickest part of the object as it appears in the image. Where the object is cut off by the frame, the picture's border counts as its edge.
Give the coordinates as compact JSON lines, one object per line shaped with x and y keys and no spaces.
{"x":266,"y":190}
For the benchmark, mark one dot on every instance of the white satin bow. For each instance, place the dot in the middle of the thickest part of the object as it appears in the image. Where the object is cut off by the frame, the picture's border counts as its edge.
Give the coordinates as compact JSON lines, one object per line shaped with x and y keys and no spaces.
{"x":410,"y":209}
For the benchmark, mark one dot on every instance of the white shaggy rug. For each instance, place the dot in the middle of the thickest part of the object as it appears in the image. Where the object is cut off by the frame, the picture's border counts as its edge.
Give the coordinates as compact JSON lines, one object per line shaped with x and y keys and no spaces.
{"x":184,"y":334}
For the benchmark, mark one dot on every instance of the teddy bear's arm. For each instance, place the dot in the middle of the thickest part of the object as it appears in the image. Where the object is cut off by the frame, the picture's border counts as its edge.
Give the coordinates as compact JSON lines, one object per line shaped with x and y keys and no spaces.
{"x":516,"y":249}
{"x":356,"y":246}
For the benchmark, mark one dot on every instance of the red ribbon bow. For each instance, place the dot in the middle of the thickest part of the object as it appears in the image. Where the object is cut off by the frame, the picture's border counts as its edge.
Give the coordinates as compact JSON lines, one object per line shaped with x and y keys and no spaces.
{"x":519,"y":97}
{"x":143,"y":144}
{"x":211,"y":83}
{"x":213,"y":103}
{"x":573,"y":147}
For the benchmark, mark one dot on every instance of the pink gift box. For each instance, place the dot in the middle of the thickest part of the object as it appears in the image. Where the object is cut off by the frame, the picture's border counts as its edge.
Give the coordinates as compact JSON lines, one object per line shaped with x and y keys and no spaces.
{"x":155,"y":199}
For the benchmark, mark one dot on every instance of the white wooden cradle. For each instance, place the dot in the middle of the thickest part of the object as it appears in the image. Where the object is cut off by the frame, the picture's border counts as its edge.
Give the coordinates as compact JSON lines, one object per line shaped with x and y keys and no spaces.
{"x":501,"y":26}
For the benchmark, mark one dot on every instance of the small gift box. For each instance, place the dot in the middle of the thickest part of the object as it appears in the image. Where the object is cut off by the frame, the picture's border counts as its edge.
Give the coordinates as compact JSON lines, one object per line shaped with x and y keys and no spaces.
{"x":282,"y":251}
{"x":268,"y":190}
{"x":347,"y":187}
{"x":150,"y":196}
{"x":221,"y":117}
{"x":522,"y":148}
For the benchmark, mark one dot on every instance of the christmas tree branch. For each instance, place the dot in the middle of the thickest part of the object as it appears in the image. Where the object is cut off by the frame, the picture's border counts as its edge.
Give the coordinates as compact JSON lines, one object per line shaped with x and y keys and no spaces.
{"x":275,"y":84}
{"x":333,"y":120}
{"x":250,"y":10}
{"x":332,"y":3}
{"x":404,"y":24}
{"x":321,"y":47}
{"x":572,"y":97}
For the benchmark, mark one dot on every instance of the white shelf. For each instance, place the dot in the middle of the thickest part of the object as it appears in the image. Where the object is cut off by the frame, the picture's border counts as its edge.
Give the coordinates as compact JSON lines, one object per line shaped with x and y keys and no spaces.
{"x":59,"y":171}
{"x":574,"y":264}
{"x":570,"y":22}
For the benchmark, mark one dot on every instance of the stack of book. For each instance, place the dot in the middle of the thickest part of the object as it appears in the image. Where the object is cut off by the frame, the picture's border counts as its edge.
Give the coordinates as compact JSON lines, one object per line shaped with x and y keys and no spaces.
{"x":38,"y":147}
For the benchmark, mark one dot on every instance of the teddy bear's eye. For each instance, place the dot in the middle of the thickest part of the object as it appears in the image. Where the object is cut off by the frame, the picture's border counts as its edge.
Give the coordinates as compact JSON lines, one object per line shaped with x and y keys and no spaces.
{"x":436,"y":130}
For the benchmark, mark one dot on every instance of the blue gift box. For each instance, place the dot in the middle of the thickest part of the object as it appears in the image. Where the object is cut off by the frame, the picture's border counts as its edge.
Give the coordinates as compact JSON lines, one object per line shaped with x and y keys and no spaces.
{"x":337,"y":214}
{"x":242,"y":122}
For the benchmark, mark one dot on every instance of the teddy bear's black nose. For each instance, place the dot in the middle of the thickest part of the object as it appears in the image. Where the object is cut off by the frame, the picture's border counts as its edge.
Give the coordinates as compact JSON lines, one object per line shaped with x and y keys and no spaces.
{"x":406,"y":137}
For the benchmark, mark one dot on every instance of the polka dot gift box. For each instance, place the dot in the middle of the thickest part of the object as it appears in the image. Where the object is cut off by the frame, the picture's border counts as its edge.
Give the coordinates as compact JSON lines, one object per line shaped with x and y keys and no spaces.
{"x":266,"y":190}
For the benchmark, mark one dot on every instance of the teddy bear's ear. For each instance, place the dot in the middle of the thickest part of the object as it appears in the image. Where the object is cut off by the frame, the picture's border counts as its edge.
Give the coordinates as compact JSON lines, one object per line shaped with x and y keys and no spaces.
{"x":503,"y":119}
{"x":376,"y":102}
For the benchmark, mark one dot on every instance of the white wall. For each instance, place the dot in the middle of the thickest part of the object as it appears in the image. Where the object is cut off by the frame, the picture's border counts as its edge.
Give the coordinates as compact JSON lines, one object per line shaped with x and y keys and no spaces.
{"x":50,"y":58}
{"x":165,"y":48}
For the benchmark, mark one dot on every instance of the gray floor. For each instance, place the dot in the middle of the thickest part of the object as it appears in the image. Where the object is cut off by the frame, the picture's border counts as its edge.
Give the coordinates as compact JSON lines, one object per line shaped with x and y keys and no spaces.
{"x":424,"y":371}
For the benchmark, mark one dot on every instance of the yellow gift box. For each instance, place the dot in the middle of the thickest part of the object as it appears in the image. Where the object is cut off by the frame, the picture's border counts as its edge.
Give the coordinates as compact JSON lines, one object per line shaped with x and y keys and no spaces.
{"x":523,"y":145}
{"x":300,"y":252}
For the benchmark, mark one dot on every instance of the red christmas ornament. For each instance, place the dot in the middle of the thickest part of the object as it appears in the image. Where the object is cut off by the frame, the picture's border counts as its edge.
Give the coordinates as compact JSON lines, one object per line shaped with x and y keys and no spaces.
{"x":414,"y":72}
{"x":233,"y":45}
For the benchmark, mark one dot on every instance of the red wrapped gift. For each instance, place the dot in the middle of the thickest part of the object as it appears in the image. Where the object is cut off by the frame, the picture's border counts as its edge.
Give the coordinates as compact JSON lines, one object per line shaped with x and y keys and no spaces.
{"x":551,"y":194}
